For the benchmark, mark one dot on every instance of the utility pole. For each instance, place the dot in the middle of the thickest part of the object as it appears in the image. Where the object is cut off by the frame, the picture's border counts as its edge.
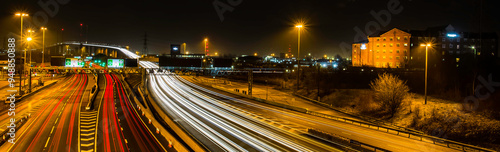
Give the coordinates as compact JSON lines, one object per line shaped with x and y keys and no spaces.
{"x":250,"y":81}
{"x":145,"y":43}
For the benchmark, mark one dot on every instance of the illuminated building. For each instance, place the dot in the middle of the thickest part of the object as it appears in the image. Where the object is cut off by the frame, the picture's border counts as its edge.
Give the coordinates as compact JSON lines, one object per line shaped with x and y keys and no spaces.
{"x":387,"y":50}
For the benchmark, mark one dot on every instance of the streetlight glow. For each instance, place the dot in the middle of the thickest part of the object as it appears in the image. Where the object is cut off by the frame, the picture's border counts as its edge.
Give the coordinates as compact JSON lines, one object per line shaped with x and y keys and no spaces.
{"x":299,"y":26}
{"x":29,"y":39}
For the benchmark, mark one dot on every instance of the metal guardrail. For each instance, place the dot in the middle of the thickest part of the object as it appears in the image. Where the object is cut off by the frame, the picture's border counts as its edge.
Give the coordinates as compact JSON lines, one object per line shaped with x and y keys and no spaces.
{"x":93,"y":94}
{"x":18,"y":123}
{"x":411,"y":133}
{"x":353,"y":144}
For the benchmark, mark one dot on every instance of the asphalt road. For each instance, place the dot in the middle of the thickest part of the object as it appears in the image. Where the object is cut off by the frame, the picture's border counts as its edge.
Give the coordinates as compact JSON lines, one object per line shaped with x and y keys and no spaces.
{"x":221,"y":128}
{"x":53,"y":123}
{"x":301,"y":121}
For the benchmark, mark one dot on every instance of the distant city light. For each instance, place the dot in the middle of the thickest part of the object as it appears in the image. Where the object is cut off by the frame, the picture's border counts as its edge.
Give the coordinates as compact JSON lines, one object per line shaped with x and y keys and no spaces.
{"x":452,"y":35}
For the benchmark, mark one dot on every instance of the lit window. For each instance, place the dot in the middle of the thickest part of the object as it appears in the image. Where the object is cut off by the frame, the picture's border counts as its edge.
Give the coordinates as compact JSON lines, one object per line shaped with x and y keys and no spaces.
{"x":406,"y":44}
{"x":397,"y":57}
{"x":354,"y":51}
{"x":399,"y":38}
{"x":390,"y":57}
{"x":378,"y":57}
{"x":458,"y":46}
{"x":390,"y":51}
{"x":378,"y":45}
{"x":378,"y":51}
{"x":383,"y":57}
{"x":458,"y":59}
{"x":384,"y":51}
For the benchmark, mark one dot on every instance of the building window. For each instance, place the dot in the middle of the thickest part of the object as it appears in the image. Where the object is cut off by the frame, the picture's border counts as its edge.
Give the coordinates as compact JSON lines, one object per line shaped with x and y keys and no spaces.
{"x":390,"y":45}
{"x":444,"y":39}
{"x":354,"y":45}
{"x":406,"y":57}
{"x":390,"y":57}
{"x":451,"y":46}
{"x":390,"y":51}
{"x":378,"y":51}
{"x":391,"y":38}
{"x":406,"y":38}
{"x":378,"y":57}
{"x":383,"y":57}
{"x":384,"y":38}
{"x":458,"y":46}
{"x":354,"y":57}
{"x":377,"y":64}
{"x":451,"y":52}
{"x":458,"y":39}
{"x":465,"y":39}
{"x":354,"y":51}
{"x":397,"y":57}
{"x":378,"y":45}
{"x":405,"y":51}
{"x":406,"y":44}
{"x":378,"y":39}
{"x":397,"y":45}
{"x":397,"y":51}
{"x":458,"y":59}
{"x":444,"y":46}
{"x":384,"y":51}
{"x":399,"y":38}
{"x":384,"y":45}
{"x":390,"y":64}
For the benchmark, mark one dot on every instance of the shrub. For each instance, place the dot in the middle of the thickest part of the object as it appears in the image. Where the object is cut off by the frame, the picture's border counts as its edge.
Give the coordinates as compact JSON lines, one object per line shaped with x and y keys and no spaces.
{"x":390,"y":93}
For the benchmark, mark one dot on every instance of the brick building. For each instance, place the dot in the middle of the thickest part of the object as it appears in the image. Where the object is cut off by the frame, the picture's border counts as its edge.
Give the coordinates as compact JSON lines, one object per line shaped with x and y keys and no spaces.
{"x":387,"y":50}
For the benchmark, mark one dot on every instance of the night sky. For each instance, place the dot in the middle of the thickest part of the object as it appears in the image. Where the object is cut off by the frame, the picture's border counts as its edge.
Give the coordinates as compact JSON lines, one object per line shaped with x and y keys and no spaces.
{"x":262,"y":27}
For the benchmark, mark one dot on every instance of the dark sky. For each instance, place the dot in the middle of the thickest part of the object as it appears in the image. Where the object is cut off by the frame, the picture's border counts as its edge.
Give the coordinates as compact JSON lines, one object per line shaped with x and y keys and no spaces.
{"x":253,"y":26}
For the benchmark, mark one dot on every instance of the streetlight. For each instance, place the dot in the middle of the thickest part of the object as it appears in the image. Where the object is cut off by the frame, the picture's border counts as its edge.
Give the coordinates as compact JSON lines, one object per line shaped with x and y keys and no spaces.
{"x":255,"y":54}
{"x":29,"y":39}
{"x":21,"y":75}
{"x":27,"y":48}
{"x":43,"y":44}
{"x":426,"y":63}
{"x":298,"y":58}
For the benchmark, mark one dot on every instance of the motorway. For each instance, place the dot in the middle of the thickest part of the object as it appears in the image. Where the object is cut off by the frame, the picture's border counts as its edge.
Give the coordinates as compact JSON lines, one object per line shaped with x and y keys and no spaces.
{"x":120,"y":127}
{"x":211,"y":113}
{"x":59,"y":120}
{"x":219,"y":127}
{"x":54,"y":117}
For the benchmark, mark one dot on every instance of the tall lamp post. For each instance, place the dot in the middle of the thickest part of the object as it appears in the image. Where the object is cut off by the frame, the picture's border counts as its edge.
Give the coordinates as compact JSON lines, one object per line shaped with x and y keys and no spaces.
{"x":426,"y":63}
{"x":43,"y":45}
{"x":22,"y":15}
{"x":28,"y":40}
{"x":298,"y":59}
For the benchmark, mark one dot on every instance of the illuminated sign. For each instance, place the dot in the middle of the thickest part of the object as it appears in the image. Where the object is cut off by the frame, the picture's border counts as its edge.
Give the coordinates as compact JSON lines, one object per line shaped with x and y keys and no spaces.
{"x":175,"y":48}
{"x":115,"y":63}
{"x":452,"y":35}
{"x":74,"y":62}
{"x":363,"y":46}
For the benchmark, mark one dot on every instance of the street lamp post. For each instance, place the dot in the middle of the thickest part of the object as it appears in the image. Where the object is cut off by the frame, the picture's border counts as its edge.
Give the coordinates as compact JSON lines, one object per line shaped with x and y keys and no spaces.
{"x":29,"y":68}
{"x":43,"y":45}
{"x":426,"y":63}
{"x":21,"y":73}
{"x":298,"y":59}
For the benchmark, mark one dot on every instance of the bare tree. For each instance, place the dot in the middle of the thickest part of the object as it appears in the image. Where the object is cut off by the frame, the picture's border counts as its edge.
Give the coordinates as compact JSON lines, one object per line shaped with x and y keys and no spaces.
{"x":390,"y":93}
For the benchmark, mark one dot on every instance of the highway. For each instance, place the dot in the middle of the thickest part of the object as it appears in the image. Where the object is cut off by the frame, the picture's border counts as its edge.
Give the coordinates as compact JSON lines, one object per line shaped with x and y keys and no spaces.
{"x":54,"y":118}
{"x":219,"y":127}
{"x":297,"y":120}
{"x":120,"y":127}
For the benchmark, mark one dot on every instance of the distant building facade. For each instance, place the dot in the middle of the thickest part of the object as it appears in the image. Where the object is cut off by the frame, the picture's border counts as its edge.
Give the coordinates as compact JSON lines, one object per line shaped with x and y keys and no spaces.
{"x":387,"y":50}
{"x":451,"y":46}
